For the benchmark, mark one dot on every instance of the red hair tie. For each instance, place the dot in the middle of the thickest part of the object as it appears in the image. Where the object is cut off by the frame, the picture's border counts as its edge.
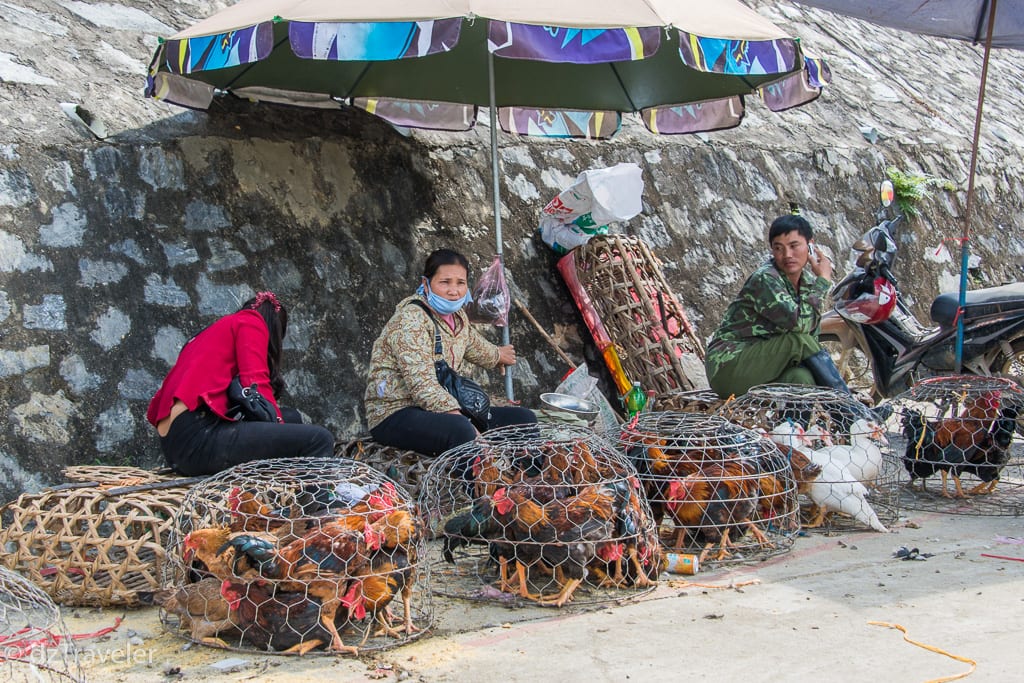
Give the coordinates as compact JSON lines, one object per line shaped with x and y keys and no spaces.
{"x":263,"y":297}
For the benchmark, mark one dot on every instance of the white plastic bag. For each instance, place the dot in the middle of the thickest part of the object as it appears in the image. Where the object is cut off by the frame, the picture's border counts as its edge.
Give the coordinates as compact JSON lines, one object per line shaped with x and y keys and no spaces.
{"x":607,"y":194}
{"x":580,"y":384}
{"x":561,"y":237}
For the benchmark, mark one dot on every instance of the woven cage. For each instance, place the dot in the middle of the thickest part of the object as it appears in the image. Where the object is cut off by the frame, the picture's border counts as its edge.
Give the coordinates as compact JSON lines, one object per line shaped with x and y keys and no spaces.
{"x":297,"y":555}
{"x":544,"y":513}
{"x":35,"y":645}
{"x":839,"y":452}
{"x":715,"y":488}
{"x":962,"y":431}
{"x":97,"y":542}
{"x":655,"y":342}
{"x":407,"y":468}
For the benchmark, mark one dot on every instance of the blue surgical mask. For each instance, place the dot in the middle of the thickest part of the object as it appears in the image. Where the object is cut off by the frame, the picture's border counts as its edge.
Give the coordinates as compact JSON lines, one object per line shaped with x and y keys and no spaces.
{"x":439,"y":303}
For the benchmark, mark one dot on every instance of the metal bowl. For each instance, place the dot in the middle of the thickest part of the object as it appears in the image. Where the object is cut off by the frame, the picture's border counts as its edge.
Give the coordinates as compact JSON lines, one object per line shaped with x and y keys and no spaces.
{"x":571,"y":404}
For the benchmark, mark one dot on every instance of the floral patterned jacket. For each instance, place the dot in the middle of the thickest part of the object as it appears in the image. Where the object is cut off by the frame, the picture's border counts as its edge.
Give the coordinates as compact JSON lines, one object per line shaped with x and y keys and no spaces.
{"x":402,"y":361}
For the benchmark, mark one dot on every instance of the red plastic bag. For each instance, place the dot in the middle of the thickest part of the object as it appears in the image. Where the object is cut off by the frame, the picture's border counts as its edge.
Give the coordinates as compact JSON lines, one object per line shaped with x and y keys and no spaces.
{"x":491,"y":300}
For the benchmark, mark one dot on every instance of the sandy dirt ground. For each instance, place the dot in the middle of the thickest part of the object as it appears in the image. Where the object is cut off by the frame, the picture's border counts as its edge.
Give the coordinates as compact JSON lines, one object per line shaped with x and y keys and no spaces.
{"x":804,"y":615}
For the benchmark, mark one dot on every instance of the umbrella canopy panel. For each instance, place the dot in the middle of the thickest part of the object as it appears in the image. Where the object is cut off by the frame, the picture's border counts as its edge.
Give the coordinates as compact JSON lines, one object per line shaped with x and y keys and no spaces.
{"x":959,"y":19}
{"x":456,"y":75}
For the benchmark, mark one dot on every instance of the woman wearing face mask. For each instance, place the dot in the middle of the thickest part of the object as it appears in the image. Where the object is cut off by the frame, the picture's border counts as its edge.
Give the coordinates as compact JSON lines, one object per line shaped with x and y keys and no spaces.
{"x":405,"y":406}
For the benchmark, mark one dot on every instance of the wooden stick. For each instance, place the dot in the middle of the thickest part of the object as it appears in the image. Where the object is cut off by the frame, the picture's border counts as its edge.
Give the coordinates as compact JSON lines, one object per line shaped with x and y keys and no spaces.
{"x":544,"y":333}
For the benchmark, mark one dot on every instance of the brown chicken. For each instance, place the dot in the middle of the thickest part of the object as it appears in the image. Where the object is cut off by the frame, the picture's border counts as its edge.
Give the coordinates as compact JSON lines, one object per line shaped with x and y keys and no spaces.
{"x":566,"y":532}
{"x":206,"y":546}
{"x":635,"y":554}
{"x":202,"y":610}
{"x":387,"y":576}
{"x":948,"y":445}
{"x":710,"y":504}
{"x":320,"y":563}
{"x":276,"y":621}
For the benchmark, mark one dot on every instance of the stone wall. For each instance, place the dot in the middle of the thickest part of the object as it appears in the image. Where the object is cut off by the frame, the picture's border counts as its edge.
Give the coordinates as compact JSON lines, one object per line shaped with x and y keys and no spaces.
{"x":113,"y":252}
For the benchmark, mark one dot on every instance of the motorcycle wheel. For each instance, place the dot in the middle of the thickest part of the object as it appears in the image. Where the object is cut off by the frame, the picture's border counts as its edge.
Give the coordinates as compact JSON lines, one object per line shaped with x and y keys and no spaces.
{"x":854,"y":366}
{"x":1011,"y":366}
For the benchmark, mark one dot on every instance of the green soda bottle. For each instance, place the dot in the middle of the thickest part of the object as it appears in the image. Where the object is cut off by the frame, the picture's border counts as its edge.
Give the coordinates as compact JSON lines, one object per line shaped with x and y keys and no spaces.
{"x":635,"y":400}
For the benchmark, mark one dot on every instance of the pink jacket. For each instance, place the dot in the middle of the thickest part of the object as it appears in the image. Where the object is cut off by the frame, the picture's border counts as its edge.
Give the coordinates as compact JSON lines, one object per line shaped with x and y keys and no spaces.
{"x":234,"y":345}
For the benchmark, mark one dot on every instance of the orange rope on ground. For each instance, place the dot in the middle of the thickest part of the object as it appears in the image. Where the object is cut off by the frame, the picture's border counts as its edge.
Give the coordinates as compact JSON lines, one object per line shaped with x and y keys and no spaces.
{"x":931,"y":648}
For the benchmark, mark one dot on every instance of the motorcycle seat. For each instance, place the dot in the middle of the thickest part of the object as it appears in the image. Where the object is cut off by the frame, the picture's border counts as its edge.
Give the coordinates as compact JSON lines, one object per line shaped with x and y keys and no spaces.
{"x":977,"y":303}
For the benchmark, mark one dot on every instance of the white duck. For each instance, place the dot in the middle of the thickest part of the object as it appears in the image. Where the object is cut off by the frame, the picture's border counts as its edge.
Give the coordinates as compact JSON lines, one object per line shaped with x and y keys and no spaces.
{"x":861,"y":458}
{"x":837,"y":491}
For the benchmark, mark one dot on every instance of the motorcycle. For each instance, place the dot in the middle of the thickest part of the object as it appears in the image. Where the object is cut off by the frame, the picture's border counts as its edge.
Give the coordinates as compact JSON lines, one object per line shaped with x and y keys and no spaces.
{"x":871,"y":327}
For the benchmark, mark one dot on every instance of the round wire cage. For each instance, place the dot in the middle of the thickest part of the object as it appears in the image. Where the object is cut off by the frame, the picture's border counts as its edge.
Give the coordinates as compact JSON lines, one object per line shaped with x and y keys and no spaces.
{"x":714,"y":487}
{"x":838,"y":448}
{"x":35,"y":645}
{"x":963,"y":430}
{"x":696,"y":401}
{"x":294,"y":556}
{"x":547,"y":513}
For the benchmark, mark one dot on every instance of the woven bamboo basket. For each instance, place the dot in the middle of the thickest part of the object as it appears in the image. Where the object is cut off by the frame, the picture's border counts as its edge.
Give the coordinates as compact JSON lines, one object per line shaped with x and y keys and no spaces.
{"x":97,"y":541}
{"x":655,"y":342}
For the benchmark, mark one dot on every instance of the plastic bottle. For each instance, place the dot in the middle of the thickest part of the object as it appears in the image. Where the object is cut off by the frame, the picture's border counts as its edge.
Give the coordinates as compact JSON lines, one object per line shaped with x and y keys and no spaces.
{"x":635,"y":400}
{"x":649,"y":403}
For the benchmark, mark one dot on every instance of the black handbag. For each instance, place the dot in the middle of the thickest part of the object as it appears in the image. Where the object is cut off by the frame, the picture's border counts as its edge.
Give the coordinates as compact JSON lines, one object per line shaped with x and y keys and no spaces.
{"x":247,"y":403}
{"x":473,"y":400}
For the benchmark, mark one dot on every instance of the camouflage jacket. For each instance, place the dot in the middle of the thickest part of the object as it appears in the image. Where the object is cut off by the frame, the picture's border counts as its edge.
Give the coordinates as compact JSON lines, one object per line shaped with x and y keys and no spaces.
{"x":767,"y":305}
{"x":402,"y":361}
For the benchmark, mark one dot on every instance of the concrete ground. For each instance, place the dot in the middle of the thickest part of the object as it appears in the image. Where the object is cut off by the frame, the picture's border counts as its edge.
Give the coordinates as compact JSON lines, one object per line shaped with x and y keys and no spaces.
{"x":804,"y":615}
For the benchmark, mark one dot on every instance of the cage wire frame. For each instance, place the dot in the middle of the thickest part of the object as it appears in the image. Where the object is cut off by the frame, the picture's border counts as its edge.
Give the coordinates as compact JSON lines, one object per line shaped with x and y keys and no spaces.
{"x":269,"y":555}
{"x":839,"y":450}
{"x":713,"y":486}
{"x":97,"y":541}
{"x":967,"y":428}
{"x":407,"y":468}
{"x":695,"y":401}
{"x":35,"y":644}
{"x":552,"y":513}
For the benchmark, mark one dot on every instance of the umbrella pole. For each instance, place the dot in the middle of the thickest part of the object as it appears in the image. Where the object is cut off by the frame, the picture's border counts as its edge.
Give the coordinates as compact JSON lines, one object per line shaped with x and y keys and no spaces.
{"x":964,"y":249}
{"x":496,"y":190}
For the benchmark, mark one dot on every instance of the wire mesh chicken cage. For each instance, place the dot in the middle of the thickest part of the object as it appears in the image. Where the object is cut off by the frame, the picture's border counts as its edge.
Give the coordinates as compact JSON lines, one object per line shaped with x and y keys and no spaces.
{"x":543,"y":514}
{"x":964,"y":431}
{"x":837,"y":447}
{"x":696,"y":401}
{"x":35,"y":645}
{"x":714,"y":487}
{"x":294,"y":556}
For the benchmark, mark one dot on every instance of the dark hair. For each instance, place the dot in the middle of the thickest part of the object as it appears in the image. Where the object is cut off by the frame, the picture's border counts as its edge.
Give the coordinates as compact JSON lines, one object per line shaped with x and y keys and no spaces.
{"x":789,"y":223}
{"x":443,"y":257}
{"x":275,"y":315}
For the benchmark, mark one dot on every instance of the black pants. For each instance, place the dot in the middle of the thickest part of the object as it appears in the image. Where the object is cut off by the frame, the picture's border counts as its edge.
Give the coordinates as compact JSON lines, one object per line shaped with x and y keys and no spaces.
{"x":199,"y":442}
{"x":415,"y":429}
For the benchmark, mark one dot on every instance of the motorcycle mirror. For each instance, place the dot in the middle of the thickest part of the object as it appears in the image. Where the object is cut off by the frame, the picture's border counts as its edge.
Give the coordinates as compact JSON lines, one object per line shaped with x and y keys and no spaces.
{"x":881,"y":242}
{"x":887,"y":193}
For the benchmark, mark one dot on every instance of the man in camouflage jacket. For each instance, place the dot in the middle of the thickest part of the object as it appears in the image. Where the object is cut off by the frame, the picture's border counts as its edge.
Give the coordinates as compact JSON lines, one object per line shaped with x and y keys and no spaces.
{"x":770,"y":331}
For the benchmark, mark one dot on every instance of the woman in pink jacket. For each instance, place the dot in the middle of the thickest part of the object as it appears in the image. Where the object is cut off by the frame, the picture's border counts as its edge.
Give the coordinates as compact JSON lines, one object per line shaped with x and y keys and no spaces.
{"x":190,"y":410}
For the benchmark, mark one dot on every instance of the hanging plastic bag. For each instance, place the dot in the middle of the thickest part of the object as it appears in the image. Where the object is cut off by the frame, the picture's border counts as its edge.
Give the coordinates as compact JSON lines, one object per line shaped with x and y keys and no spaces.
{"x":603,"y":195}
{"x":491,"y":300}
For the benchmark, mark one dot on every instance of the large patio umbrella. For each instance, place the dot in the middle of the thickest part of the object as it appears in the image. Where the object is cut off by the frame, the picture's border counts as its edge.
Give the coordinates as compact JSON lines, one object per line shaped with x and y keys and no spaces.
{"x":995,"y":23}
{"x":555,"y":67}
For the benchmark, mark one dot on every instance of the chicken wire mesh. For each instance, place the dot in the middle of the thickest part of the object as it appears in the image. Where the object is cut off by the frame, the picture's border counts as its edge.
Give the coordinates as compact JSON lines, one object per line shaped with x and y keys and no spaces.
{"x":544,"y":513}
{"x":35,"y":645}
{"x":294,"y":556}
{"x":962,"y":430}
{"x":403,"y":467}
{"x":838,"y":450}
{"x":715,"y":488}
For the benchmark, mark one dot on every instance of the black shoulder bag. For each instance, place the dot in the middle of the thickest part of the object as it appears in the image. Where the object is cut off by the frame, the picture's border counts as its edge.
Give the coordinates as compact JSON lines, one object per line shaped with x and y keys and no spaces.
{"x":247,"y":403}
{"x":473,"y":400}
